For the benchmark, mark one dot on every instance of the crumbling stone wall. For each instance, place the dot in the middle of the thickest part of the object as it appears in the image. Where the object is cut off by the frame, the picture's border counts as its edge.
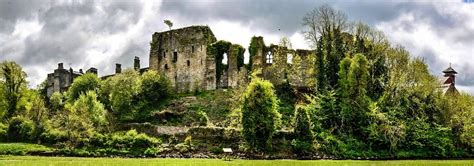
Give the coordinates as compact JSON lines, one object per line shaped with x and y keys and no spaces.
{"x":192,"y":59}
{"x":181,"y":55}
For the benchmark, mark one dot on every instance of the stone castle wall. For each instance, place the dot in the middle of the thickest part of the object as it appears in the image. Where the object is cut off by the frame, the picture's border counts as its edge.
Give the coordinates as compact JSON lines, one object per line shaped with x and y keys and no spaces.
{"x":181,"y":55}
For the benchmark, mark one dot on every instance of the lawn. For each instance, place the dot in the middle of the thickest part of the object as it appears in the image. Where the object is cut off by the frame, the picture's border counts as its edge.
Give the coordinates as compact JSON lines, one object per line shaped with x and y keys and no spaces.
{"x":51,"y":161}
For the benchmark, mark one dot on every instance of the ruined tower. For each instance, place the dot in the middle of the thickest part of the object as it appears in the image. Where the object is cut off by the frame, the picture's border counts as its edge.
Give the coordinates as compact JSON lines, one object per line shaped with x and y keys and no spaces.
{"x":181,"y":54}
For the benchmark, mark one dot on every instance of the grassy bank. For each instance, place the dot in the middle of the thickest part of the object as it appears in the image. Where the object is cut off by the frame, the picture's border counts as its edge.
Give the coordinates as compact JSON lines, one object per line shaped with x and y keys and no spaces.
{"x":37,"y":161}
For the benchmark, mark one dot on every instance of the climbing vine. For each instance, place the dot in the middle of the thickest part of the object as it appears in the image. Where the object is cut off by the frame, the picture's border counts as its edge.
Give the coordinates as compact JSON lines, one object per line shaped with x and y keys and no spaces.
{"x":216,"y":50}
{"x":256,"y":43}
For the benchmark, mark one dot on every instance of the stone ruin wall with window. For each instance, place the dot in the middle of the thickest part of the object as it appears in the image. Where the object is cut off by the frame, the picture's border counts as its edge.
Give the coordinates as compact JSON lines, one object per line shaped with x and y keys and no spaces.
{"x":181,"y":55}
{"x":191,"y":58}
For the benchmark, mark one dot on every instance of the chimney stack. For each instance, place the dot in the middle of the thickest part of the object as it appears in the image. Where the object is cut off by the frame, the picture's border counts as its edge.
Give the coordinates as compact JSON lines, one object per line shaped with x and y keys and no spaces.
{"x":118,"y":68}
{"x":60,"y":66}
{"x":136,"y":63}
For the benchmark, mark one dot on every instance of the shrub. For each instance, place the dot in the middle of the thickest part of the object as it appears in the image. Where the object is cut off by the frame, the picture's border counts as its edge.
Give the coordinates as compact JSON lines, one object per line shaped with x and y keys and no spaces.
{"x":302,"y":147}
{"x":202,"y":118}
{"x":188,"y":140}
{"x":3,"y":132}
{"x":20,"y":129}
{"x":53,"y":136}
{"x":216,"y":150}
{"x":131,"y":139}
{"x":260,"y":116}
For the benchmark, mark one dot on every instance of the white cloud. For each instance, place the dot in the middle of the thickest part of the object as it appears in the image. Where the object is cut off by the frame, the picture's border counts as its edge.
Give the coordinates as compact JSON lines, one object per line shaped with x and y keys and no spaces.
{"x":438,"y":45}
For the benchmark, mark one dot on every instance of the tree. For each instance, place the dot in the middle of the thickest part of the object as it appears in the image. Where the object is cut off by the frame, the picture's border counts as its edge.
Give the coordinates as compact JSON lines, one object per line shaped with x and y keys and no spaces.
{"x":124,"y":89}
{"x":155,"y":88}
{"x":303,"y":141}
{"x":260,"y":116}
{"x":37,"y":112}
{"x":88,"y":107}
{"x":56,"y":102}
{"x":169,"y":23}
{"x":14,"y":83}
{"x":324,"y":27}
{"x":320,"y":67}
{"x":83,"y":84}
{"x":322,"y":21}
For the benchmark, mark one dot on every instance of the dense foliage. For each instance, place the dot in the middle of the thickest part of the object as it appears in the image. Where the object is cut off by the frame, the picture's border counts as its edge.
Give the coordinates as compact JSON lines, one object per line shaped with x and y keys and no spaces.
{"x":260,"y":116}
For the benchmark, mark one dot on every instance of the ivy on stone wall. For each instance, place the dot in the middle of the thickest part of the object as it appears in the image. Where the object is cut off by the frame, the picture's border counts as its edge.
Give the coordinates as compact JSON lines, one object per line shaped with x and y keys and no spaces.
{"x":256,"y":43}
{"x":238,"y":50}
{"x":216,"y":50}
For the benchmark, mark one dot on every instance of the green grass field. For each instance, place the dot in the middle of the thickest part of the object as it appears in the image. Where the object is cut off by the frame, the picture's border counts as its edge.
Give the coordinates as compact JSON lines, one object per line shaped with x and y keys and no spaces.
{"x":51,"y":161}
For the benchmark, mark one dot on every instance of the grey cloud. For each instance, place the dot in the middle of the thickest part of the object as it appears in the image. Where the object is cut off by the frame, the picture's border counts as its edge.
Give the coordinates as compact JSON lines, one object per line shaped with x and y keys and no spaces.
{"x":13,"y":10}
{"x":263,"y":15}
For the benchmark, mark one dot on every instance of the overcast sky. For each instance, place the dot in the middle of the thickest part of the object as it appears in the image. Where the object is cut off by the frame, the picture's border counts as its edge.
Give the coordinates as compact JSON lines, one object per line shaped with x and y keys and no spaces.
{"x":82,"y":34}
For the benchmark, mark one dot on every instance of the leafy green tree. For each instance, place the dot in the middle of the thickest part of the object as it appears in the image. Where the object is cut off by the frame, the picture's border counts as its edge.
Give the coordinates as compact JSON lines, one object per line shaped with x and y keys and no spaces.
{"x":87,"y":106}
{"x":83,"y":84}
{"x":303,"y":142}
{"x":260,"y":116}
{"x":20,"y":129}
{"x":13,"y":80}
{"x":320,"y":67}
{"x":168,"y":23}
{"x":124,"y":89}
{"x":56,"y":101}
{"x":37,"y":112}
{"x":357,"y":82}
{"x":154,"y":88}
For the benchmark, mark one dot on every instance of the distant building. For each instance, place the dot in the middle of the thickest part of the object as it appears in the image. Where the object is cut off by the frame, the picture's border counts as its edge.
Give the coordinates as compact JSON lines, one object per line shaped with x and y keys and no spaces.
{"x":61,"y":79}
{"x":448,"y":86}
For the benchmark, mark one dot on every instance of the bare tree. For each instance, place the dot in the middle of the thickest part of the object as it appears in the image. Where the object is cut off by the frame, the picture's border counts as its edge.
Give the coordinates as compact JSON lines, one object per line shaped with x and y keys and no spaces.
{"x":322,"y":21}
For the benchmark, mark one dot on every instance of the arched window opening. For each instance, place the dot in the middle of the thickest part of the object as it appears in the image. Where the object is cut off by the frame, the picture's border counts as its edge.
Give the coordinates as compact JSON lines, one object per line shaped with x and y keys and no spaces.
{"x":269,"y":58}
{"x":166,"y":66}
{"x":189,"y":63}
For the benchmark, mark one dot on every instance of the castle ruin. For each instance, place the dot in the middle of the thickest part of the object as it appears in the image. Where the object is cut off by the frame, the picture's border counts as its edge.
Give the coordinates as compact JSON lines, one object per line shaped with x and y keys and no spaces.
{"x":191,"y":57}
{"x":193,"y":60}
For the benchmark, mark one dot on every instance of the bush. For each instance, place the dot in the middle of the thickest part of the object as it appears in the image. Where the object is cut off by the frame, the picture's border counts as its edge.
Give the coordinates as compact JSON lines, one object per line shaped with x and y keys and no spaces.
{"x":188,"y":140}
{"x":202,"y":118}
{"x":215,"y":133}
{"x":216,"y":150}
{"x":302,"y":147}
{"x":20,"y":129}
{"x":260,"y":116}
{"x":3,"y":132}
{"x":53,"y":136}
{"x":132,"y":140}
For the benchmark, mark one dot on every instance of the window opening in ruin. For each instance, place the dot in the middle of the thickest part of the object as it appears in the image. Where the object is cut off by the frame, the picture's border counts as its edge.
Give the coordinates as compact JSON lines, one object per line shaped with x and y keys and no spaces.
{"x":164,"y":54}
{"x":188,"y":63}
{"x":166,"y":66}
{"x":269,"y":57}
{"x":192,"y":49}
{"x":175,"y":56}
{"x":289,"y":58}
{"x":224,"y":59}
